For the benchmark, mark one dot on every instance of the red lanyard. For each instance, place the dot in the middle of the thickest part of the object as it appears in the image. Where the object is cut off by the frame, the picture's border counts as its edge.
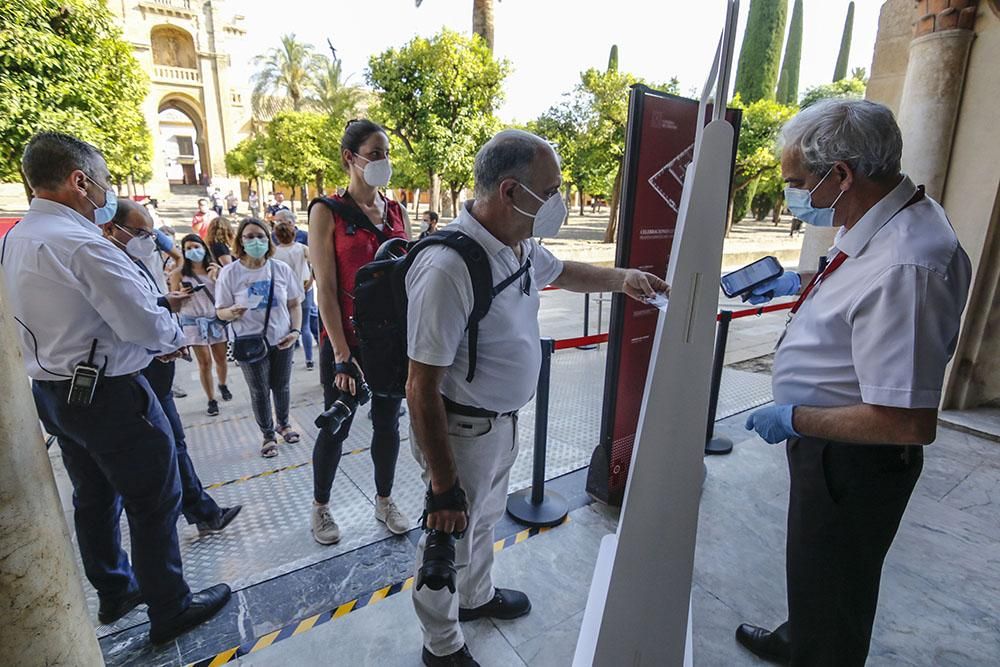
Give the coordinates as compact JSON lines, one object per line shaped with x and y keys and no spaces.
{"x":817,"y":279}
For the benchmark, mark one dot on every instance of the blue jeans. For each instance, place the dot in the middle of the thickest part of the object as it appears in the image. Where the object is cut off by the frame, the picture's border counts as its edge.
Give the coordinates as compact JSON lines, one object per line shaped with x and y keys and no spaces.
{"x":196,"y":504}
{"x":119,"y":452}
{"x":310,"y":323}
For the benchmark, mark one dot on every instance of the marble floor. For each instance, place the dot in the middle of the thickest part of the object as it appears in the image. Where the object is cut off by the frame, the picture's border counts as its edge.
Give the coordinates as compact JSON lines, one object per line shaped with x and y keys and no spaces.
{"x":940,"y":599}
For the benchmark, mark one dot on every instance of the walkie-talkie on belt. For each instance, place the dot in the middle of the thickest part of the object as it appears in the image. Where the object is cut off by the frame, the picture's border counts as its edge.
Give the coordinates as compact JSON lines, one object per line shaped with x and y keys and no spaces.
{"x":84,"y":382}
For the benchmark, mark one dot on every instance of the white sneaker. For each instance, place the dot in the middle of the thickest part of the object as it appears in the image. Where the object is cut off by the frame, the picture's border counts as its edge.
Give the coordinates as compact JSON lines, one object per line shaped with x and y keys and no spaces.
{"x":324,"y":529}
{"x":387,"y":512}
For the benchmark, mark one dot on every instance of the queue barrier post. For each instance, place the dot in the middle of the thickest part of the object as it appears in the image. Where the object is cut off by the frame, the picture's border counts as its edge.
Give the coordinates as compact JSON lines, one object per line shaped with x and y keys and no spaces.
{"x":718,"y":446}
{"x":537,"y":507}
{"x":586,"y":323}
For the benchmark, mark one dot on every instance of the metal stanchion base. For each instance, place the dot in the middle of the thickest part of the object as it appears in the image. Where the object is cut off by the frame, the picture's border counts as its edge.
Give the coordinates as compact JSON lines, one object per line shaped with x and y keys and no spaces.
{"x":592,"y":346}
{"x":550,"y":512}
{"x":718,"y":447}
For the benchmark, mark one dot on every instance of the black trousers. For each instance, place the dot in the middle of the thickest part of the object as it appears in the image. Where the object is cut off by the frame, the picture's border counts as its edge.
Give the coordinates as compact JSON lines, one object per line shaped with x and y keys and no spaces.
{"x":329,"y":447}
{"x":844,"y":509}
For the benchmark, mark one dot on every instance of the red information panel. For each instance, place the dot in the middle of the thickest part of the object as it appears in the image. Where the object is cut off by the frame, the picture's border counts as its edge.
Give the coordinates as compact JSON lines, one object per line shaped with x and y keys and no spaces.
{"x":660,"y":148}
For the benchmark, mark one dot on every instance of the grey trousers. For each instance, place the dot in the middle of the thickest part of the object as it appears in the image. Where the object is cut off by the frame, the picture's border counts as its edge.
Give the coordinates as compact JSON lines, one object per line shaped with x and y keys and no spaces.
{"x":270,"y":375}
{"x":484,"y":451}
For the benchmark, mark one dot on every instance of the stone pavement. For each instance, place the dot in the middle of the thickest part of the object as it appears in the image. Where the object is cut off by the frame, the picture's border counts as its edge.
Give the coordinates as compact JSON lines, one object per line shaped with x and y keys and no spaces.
{"x":940,"y":599}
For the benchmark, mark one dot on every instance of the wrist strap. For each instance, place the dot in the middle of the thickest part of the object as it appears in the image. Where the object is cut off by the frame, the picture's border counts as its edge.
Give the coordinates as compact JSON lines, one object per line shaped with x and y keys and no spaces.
{"x":453,"y":499}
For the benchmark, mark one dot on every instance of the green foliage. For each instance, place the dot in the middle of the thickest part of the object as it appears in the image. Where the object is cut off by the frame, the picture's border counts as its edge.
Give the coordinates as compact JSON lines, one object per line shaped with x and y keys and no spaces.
{"x":757,"y":73}
{"x":847,"y":88}
{"x":613,"y":59}
{"x":332,"y":94}
{"x":439,"y":97}
{"x":840,"y":71}
{"x":242,"y":159}
{"x":757,"y":160}
{"x":285,"y":71}
{"x":64,"y":66}
{"x":788,"y":82}
{"x":300,"y":147}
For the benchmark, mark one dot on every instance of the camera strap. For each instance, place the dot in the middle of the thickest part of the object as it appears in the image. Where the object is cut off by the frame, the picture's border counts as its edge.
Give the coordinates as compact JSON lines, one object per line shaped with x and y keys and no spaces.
{"x":454,"y":499}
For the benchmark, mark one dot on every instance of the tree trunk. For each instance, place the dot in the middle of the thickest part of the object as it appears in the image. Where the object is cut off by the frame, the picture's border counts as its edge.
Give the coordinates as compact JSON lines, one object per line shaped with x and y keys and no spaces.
{"x":482,"y":21}
{"x":616,"y":194}
{"x":779,"y":204}
{"x":435,"y":194}
{"x":454,"y":201}
{"x":582,"y":201}
{"x":416,"y":202}
{"x":320,"y":184}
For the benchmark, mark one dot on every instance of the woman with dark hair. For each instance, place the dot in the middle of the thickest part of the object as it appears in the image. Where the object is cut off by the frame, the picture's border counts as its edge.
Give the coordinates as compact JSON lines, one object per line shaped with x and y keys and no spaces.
{"x":296,"y":256}
{"x":338,"y":248}
{"x":219,"y":238}
{"x":258,"y":296}
{"x":206,"y":333}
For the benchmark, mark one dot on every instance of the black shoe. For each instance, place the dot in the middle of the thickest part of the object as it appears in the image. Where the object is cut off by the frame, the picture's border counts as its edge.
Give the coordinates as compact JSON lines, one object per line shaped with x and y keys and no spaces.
{"x":771,"y":646}
{"x":226,"y":394}
{"x":112,"y":610}
{"x":310,"y":365}
{"x":460,"y":658}
{"x":220,"y":523}
{"x":204,"y":605}
{"x":213,"y":408}
{"x":505,"y":605}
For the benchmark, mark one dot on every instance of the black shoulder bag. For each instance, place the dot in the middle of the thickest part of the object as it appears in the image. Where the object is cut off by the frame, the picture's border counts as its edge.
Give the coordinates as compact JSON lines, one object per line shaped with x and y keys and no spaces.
{"x":253,"y":347}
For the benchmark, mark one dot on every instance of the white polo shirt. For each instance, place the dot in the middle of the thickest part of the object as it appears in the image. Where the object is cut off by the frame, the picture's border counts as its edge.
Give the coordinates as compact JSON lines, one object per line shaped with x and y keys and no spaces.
{"x":882,"y":327}
{"x":440,"y":296}
{"x":69,"y":285}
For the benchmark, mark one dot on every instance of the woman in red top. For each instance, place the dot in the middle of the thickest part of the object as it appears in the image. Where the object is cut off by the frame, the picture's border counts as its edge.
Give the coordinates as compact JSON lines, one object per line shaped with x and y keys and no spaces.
{"x":338,"y":249}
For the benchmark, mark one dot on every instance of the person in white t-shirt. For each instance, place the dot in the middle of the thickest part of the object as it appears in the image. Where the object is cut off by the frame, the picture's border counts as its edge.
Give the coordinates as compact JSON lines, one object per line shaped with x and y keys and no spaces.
{"x":296,"y":255}
{"x":241,"y":297}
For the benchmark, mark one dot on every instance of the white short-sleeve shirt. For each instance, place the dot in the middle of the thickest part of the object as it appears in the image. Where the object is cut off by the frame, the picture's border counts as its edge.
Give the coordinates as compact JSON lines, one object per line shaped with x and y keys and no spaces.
{"x":882,"y":327}
{"x":440,"y":296}
{"x":239,"y":285}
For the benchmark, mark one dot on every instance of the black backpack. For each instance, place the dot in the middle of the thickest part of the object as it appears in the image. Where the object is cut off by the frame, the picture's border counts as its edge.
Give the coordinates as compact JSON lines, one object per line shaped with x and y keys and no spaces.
{"x":380,"y":300}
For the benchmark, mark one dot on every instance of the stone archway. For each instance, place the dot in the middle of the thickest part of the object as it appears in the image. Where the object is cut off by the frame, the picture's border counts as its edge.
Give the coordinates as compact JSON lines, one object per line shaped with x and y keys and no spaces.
{"x":186,"y":152}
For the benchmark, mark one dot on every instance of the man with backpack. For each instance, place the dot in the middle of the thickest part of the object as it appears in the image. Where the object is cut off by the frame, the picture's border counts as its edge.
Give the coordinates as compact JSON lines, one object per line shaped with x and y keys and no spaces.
{"x":470,"y":371}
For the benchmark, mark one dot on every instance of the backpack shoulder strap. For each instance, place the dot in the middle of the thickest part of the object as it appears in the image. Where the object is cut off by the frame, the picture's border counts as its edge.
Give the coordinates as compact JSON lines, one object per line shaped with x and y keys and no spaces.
{"x":351,"y":213}
{"x":480,"y":273}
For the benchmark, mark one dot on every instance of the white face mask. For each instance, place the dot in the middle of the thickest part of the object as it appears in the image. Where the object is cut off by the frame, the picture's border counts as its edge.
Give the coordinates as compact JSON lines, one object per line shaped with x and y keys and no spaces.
{"x":138,"y":247}
{"x":377,"y":172}
{"x":549,"y":218}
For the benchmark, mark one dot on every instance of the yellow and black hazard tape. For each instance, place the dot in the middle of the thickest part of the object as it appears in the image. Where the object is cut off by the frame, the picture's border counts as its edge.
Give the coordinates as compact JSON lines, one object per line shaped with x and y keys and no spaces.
{"x":257,"y":475}
{"x":304,"y":625}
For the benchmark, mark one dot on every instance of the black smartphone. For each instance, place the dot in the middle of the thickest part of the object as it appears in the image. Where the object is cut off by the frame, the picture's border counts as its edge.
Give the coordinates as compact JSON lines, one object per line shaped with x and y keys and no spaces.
{"x":192,"y":288}
{"x":741,"y":281}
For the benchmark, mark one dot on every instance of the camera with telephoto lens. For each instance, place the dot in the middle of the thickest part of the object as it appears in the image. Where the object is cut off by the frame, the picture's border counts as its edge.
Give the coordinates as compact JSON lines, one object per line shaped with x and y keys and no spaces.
{"x":437,"y":570}
{"x":343,"y":407}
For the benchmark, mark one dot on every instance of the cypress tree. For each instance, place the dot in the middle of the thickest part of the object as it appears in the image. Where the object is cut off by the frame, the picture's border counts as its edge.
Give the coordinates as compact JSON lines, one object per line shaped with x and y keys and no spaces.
{"x":760,"y":55}
{"x":788,"y":82}
{"x":845,"y":45}
{"x":613,"y":59}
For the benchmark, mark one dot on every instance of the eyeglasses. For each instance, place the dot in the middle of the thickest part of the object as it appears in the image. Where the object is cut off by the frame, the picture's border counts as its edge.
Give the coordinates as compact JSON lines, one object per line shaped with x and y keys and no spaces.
{"x":136,"y":233}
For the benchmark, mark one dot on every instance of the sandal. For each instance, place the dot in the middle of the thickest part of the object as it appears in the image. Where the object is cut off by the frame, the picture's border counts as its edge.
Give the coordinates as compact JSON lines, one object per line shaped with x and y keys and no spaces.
{"x":269,"y":449}
{"x":290,"y":436}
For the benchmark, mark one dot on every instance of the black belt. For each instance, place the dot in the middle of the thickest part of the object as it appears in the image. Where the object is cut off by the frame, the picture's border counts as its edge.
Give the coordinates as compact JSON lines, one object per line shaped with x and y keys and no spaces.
{"x":470,"y":411}
{"x":102,"y":378}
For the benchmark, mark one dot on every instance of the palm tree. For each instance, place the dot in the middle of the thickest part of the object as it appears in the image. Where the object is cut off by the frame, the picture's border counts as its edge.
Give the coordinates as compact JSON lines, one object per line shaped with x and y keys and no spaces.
{"x":285,"y":72}
{"x":332,"y":94}
{"x":482,"y":20}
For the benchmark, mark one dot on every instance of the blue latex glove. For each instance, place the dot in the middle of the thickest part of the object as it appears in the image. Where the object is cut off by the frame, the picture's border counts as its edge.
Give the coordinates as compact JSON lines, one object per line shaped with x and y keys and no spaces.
{"x":773,"y":423}
{"x":787,"y":284}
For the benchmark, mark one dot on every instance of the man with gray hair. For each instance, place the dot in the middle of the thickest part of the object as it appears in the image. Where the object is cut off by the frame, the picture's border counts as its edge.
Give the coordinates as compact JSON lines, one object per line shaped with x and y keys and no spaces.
{"x":464,"y":411}
{"x":88,"y":327}
{"x":857,"y":374}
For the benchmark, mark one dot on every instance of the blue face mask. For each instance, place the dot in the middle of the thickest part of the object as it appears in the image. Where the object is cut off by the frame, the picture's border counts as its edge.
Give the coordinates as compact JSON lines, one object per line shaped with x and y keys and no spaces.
{"x":103,"y":214}
{"x":799,"y":202}
{"x":195,"y":254}
{"x":256,"y":248}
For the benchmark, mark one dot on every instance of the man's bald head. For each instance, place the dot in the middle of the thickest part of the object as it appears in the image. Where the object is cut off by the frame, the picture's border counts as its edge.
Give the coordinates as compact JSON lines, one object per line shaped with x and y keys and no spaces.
{"x":510,"y":154}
